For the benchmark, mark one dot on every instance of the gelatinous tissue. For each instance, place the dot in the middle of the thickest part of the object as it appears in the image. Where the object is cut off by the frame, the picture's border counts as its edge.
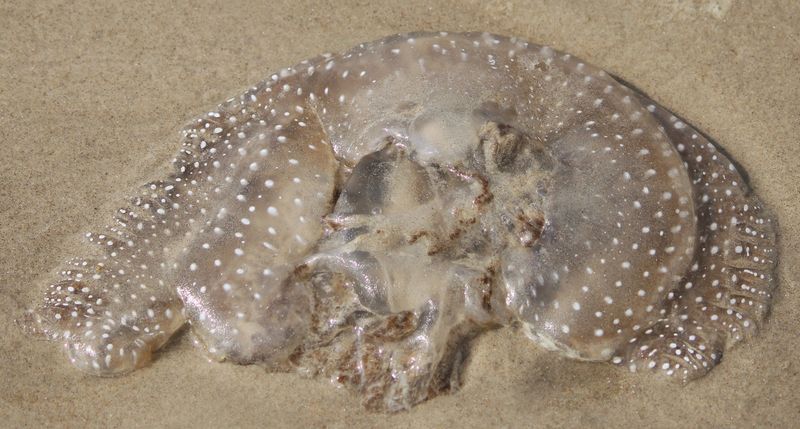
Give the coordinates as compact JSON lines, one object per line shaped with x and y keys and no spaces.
{"x":363,"y":216}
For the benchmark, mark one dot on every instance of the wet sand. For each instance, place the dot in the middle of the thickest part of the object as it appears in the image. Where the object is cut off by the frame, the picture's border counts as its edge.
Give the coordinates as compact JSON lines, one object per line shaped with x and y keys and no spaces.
{"x":91,"y":101}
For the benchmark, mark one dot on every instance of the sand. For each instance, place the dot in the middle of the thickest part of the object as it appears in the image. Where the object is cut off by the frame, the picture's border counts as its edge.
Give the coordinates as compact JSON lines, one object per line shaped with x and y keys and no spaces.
{"x":91,"y":100}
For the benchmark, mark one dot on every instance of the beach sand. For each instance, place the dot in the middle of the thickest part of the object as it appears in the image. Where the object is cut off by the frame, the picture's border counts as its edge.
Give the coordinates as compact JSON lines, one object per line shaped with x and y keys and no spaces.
{"x":92,"y":95}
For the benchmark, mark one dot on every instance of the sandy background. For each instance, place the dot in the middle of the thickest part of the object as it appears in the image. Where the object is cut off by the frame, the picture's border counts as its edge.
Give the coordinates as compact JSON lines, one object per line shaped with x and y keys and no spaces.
{"x":91,"y":101}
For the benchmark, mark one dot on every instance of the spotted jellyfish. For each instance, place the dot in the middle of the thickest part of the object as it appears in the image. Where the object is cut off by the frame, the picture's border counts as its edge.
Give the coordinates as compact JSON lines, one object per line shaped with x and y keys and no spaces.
{"x":363,"y":216}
